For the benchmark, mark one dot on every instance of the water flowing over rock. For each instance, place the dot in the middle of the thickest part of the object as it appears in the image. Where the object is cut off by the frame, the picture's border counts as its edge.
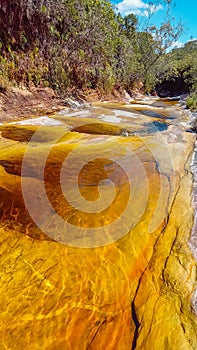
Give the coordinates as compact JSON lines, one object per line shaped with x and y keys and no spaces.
{"x":95,"y":216}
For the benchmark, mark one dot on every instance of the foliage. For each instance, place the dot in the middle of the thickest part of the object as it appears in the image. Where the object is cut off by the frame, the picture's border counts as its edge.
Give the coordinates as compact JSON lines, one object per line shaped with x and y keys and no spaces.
{"x":192,"y":102}
{"x":81,"y":44}
{"x":78,"y":41}
{"x":180,"y":63}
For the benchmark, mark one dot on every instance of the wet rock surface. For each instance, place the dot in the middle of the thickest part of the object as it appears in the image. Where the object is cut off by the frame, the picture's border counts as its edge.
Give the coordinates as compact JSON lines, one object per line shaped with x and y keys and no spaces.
{"x":98,"y":285}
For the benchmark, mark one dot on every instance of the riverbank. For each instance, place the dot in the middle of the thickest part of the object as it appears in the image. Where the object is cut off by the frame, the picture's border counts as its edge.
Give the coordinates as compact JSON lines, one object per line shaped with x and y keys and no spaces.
{"x":22,"y":103}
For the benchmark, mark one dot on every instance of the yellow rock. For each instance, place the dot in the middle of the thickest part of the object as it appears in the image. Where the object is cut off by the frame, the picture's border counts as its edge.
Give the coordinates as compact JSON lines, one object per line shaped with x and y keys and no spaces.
{"x":134,"y":292}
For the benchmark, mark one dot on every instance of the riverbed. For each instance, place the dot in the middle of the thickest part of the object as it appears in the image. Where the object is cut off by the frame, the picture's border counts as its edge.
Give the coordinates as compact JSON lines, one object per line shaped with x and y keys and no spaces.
{"x":95,"y":217}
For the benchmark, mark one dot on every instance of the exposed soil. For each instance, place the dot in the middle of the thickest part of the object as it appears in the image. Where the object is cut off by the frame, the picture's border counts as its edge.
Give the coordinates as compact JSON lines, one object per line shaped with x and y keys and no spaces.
{"x":22,"y":103}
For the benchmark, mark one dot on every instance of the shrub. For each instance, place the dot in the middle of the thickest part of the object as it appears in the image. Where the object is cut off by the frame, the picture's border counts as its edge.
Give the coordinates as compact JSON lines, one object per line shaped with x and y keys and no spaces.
{"x":192,"y":102}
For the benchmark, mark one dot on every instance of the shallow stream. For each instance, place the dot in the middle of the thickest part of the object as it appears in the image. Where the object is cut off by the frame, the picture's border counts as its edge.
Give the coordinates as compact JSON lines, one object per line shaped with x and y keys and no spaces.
{"x":95,"y":217}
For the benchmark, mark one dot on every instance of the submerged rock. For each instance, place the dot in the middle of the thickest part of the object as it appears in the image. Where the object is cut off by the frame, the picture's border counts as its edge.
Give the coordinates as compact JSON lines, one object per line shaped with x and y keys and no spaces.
{"x":98,"y":286}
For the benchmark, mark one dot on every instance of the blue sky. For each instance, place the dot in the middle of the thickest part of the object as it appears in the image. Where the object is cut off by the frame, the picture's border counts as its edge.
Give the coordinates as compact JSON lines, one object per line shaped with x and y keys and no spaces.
{"x":184,"y":10}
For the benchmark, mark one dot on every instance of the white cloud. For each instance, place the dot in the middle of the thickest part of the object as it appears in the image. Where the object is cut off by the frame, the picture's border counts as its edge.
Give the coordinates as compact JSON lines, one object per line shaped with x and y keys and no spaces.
{"x":137,"y":7}
{"x":154,"y":8}
{"x":193,"y":39}
{"x":128,"y":5}
{"x":175,"y":45}
{"x":178,"y":44}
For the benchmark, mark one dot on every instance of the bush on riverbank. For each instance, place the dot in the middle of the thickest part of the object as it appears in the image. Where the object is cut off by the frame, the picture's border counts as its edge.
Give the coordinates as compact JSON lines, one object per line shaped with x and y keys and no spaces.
{"x":192,"y":102}
{"x":66,"y":44}
{"x":82,"y":45}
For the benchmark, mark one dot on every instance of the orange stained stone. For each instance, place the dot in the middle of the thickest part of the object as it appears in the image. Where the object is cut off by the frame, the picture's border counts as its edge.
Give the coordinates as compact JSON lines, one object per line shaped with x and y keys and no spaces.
{"x":121,"y":287}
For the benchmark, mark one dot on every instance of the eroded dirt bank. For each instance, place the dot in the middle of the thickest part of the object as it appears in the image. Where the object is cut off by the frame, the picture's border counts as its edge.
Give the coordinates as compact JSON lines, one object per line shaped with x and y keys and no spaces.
{"x":20,"y":103}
